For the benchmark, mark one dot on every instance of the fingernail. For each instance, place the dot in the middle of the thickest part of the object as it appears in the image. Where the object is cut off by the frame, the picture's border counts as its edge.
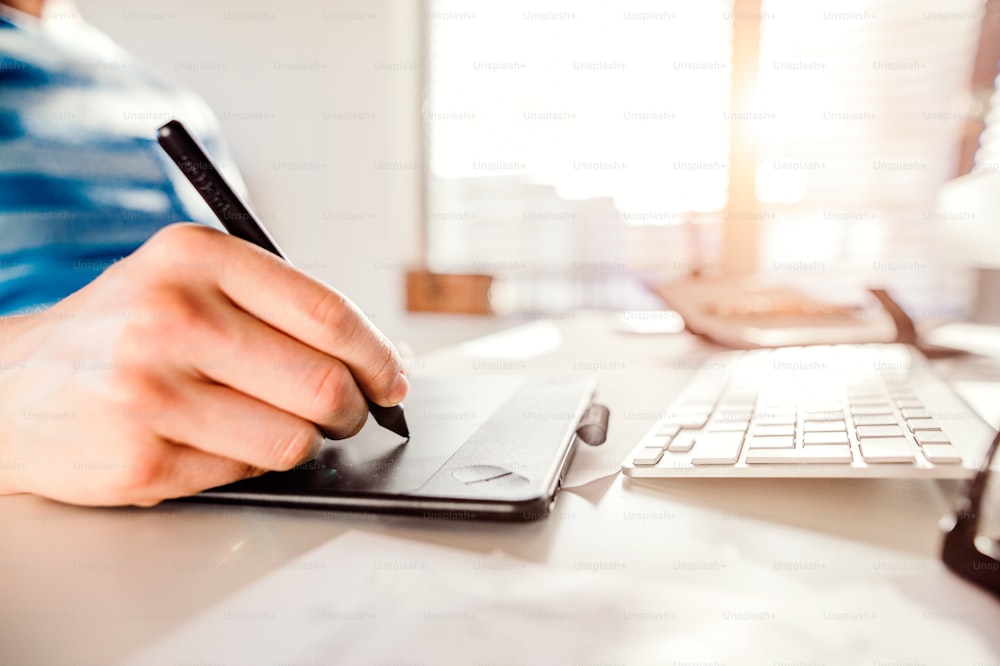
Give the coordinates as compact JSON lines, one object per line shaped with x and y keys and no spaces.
{"x":400,"y":387}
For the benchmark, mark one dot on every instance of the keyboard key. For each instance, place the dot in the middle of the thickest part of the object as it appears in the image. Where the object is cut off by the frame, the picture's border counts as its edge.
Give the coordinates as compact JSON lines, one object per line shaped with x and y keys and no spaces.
{"x":814,"y":438}
{"x":860,"y":398}
{"x":887,"y":450}
{"x":692,"y":407}
{"x":837,"y":415}
{"x":942,"y":453}
{"x":916,"y":414}
{"x":727,"y":426}
{"x":909,"y":403}
{"x":734,"y":415}
{"x":682,"y":442}
{"x":693,"y":421}
{"x":833,"y":454}
{"x":773,"y":430}
{"x":872,"y":411}
{"x":775,"y":419}
{"x":717,"y":448}
{"x":668,"y":430}
{"x":649,"y":455}
{"x":880,"y":431}
{"x":658,"y":441}
{"x":689,"y":406}
{"x":824,"y":426}
{"x":869,"y":399}
{"x":875,"y":419}
{"x":922,"y":424}
{"x":770,"y":409}
{"x":703,"y":394}
{"x":865,"y":384}
{"x":925,"y":437}
{"x":823,"y":408}
{"x":737,"y":402}
{"x":772,"y":442}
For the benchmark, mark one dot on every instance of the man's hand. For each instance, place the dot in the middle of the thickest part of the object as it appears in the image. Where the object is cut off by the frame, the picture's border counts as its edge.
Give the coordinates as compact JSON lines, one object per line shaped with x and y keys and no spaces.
{"x":196,"y":361}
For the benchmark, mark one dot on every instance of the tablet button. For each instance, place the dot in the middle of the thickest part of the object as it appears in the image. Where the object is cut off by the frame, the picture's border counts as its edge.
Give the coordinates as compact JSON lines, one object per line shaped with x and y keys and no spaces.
{"x":479,"y":473}
{"x":511,"y":480}
{"x":489,"y":475}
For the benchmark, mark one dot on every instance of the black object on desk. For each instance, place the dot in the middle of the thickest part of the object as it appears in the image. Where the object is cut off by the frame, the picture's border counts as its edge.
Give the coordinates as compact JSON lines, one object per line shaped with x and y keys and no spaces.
{"x":495,"y":447}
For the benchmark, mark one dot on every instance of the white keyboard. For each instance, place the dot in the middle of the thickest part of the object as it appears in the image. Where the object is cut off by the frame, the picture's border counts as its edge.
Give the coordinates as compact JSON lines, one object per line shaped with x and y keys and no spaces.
{"x":827,"y":411}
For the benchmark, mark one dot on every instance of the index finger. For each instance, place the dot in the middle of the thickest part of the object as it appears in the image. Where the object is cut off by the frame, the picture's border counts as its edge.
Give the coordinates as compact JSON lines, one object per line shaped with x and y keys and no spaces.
{"x":296,"y":304}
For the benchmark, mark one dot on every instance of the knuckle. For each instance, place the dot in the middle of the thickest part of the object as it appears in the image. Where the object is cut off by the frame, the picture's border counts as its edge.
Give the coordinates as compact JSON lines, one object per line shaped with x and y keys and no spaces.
{"x":182,"y":239}
{"x":336,"y":400}
{"x":387,"y":366}
{"x":132,"y":346}
{"x":333,"y":314}
{"x":327,"y":385}
{"x":139,"y":394}
{"x":294,"y":448}
{"x":141,"y":472}
{"x":175,"y":309}
{"x":160,"y":318}
{"x":177,"y":248}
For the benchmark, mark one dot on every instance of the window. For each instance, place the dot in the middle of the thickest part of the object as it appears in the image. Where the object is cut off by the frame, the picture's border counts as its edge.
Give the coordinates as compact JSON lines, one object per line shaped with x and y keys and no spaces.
{"x":560,"y":133}
{"x":573,"y":146}
{"x":867,"y":101}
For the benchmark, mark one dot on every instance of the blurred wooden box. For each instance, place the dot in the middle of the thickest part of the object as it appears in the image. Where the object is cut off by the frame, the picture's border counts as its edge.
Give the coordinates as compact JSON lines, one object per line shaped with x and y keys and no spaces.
{"x":445,"y":292}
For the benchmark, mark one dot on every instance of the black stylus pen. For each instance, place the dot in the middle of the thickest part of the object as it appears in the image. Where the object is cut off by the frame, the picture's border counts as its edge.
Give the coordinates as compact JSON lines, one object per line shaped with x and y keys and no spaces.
{"x":240,"y":221}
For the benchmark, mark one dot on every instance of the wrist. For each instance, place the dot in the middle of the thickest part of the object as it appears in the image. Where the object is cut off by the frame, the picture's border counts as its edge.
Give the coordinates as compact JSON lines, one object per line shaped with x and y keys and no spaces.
{"x":12,"y":368}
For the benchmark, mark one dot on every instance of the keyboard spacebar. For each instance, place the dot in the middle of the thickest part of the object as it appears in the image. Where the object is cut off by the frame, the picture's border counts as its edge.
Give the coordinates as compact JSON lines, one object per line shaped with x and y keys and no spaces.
{"x":717,"y":448}
{"x":818,"y":453}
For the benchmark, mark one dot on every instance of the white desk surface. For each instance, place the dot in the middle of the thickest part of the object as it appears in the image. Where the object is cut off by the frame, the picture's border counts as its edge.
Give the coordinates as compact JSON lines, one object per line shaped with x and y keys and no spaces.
{"x":97,"y":586}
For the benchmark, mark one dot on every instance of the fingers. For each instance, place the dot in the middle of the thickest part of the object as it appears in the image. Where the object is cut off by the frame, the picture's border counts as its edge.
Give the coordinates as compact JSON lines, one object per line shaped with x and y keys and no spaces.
{"x":323,"y":319}
{"x":289,"y":301}
{"x":259,"y":361}
{"x":220,"y":421}
{"x":180,"y":471}
{"x":154,"y":470}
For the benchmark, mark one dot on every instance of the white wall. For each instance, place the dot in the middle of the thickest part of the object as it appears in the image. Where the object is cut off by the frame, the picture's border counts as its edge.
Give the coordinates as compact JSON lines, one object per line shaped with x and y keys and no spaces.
{"x":319,"y":101}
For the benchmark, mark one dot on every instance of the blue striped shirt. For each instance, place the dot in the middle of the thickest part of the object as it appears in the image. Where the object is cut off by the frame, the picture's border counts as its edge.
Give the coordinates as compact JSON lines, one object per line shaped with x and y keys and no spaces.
{"x":83,"y":182}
